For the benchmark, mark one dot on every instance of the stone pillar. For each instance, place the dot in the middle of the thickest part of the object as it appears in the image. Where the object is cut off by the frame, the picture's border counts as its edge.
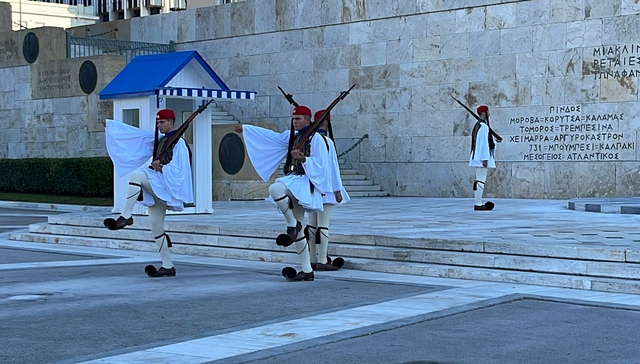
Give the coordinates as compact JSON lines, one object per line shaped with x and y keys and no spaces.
{"x":5,"y":17}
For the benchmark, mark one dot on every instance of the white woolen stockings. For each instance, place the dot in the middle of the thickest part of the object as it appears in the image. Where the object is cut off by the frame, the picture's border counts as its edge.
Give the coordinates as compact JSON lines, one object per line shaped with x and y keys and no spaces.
{"x":481,"y":177}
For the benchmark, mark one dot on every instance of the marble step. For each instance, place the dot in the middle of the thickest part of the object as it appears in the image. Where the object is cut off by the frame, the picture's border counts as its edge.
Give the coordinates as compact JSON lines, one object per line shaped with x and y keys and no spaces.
{"x":362,"y":188}
{"x":608,"y":284}
{"x":493,"y":275}
{"x":90,"y":223}
{"x":401,"y":254}
{"x":368,"y":194}
{"x":352,"y":177}
{"x":357,"y":182}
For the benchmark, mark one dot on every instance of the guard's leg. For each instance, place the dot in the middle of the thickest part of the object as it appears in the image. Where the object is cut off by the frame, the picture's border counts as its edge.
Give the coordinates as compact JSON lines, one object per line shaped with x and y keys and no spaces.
{"x":310,"y":232}
{"x":157,"y":213}
{"x":278,"y":192}
{"x":478,"y":189}
{"x":324,"y":263}
{"x":478,"y":185}
{"x":136,"y":182}
{"x":285,"y":203}
{"x":323,"y":233}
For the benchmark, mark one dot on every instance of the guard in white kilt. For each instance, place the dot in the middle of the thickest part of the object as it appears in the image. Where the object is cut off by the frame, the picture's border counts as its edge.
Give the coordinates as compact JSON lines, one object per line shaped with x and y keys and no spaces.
{"x":164,"y":185}
{"x":306,"y":178}
{"x":482,"y":157}
{"x":317,"y":229}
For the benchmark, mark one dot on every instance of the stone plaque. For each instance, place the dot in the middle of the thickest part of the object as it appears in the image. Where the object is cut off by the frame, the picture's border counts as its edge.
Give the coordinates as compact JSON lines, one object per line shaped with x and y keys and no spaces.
{"x":231,"y":153}
{"x":567,"y":133}
{"x":105,"y":109}
{"x":30,"y":47}
{"x":88,"y":77}
{"x":8,"y":48}
{"x":73,"y":76}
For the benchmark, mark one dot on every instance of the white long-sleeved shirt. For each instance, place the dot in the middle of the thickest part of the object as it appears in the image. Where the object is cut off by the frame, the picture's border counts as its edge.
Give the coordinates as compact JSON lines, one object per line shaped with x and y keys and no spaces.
{"x":267,"y":149}
{"x":482,"y":152}
{"x":132,"y":148}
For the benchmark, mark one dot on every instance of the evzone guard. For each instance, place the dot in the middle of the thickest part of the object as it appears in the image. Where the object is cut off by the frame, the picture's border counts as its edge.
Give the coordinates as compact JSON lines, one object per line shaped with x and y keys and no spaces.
{"x":317,"y":230}
{"x":164,"y":185}
{"x":482,"y":157}
{"x":307,"y":176}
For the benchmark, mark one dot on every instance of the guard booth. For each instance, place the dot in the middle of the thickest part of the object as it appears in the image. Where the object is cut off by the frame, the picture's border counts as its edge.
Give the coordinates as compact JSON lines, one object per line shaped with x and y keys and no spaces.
{"x":180,"y":81}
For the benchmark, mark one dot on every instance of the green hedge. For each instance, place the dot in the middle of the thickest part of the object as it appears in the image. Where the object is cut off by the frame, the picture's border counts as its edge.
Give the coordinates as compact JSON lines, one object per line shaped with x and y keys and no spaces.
{"x":60,"y":176}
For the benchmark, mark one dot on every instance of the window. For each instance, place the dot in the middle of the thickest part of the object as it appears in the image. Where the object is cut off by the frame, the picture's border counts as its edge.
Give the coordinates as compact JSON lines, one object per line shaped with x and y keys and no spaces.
{"x":131,"y":117}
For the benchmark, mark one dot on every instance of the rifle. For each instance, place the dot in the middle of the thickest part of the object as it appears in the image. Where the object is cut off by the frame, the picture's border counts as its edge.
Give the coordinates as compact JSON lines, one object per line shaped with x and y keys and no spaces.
{"x":173,"y":139}
{"x":289,"y":97}
{"x":493,"y":133}
{"x":316,"y":124}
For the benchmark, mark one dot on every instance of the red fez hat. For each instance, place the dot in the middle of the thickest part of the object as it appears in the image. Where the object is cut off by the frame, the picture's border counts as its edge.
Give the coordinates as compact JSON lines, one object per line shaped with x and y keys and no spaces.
{"x":165,"y":114}
{"x":318,"y":113}
{"x":301,"y":110}
{"x":482,"y":109}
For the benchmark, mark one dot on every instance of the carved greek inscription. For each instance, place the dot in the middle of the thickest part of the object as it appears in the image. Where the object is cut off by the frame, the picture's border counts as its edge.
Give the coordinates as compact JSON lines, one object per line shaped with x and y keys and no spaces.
{"x":617,"y":61}
{"x":54,"y":80}
{"x":8,"y":50}
{"x":105,"y":109}
{"x":564,"y":133}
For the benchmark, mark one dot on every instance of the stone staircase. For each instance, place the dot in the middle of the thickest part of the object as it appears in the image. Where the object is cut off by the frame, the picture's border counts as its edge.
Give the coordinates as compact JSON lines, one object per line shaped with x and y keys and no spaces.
{"x":591,"y":268}
{"x":356,"y":184}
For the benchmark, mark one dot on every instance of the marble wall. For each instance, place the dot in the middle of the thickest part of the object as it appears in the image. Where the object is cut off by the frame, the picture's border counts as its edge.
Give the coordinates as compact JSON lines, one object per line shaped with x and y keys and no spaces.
{"x":561,"y":79}
{"x":5,"y":17}
{"x":45,"y":111}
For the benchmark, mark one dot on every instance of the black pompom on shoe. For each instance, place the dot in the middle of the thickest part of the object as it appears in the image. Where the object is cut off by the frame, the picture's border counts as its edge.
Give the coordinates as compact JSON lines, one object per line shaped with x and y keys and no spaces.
{"x":162,"y":272}
{"x":338,"y":262}
{"x":289,"y":272}
{"x":150,"y":270}
{"x":112,"y":224}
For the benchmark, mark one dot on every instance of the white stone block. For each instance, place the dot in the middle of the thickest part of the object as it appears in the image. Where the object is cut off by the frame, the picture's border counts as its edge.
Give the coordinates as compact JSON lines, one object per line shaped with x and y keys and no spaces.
{"x":586,"y":33}
{"x":441,"y":23}
{"x":516,"y":40}
{"x":532,"y":12}
{"x":549,"y":37}
{"x":501,"y":16}
{"x":373,"y":54}
{"x":470,"y":19}
{"x":454,"y":46}
{"x":426,"y":49}
{"x":265,"y":16}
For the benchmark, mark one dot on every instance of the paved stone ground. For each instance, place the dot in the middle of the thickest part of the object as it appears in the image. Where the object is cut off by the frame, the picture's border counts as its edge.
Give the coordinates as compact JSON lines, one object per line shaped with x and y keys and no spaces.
{"x":71,"y":304}
{"x":613,"y":205}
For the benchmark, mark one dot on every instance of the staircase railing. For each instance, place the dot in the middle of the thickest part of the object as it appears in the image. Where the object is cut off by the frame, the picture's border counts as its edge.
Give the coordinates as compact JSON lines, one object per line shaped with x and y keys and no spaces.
{"x":91,"y":46}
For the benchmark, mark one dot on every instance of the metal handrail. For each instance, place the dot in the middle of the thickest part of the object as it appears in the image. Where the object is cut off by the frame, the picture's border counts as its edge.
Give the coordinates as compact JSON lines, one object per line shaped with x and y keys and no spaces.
{"x":91,"y":46}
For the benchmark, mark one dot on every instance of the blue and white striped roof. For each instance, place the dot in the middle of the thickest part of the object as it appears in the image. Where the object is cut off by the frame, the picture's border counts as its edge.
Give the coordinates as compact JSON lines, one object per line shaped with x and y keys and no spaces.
{"x":177,"y":74}
{"x":206,"y":93}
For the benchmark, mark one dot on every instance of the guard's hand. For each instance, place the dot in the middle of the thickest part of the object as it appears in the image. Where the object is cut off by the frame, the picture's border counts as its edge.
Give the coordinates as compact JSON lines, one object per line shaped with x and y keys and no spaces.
{"x":297,"y":154}
{"x":485,"y":164}
{"x":157,"y":166}
{"x":238,"y":128}
{"x":103,"y":122}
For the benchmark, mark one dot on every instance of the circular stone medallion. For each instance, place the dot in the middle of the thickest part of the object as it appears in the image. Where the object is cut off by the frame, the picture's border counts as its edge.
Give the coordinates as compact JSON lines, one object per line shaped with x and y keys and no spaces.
{"x":231,"y":153}
{"x":88,"y":77}
{"x":30,"y":47}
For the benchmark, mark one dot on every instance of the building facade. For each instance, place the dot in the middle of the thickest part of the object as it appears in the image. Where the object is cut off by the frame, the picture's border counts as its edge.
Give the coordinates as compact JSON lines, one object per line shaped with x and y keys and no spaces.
{"x":560,"y":78}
